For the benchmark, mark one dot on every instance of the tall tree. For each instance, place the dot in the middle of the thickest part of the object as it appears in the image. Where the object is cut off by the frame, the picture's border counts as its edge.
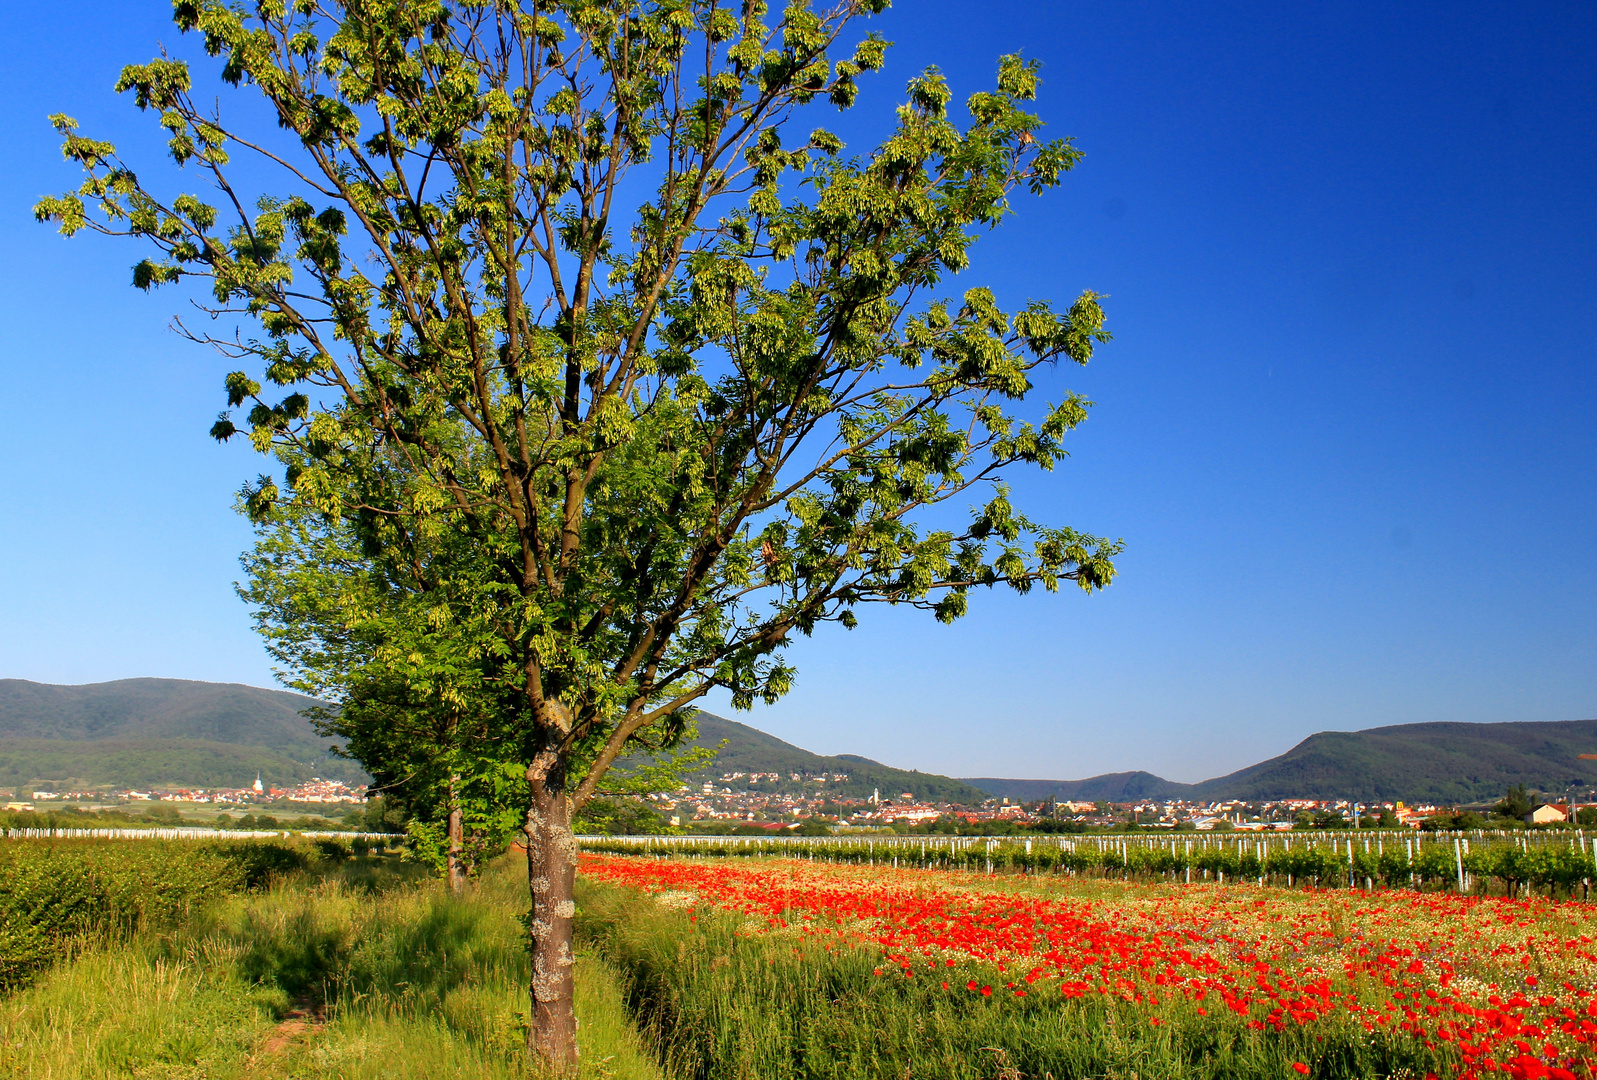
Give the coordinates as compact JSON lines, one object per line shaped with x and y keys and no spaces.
{"x":616,"y":457}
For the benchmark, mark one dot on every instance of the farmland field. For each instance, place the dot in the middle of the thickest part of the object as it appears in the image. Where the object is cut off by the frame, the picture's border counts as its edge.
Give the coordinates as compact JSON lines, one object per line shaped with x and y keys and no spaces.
{"x":295,"y":959}
{"x":778,"y":968}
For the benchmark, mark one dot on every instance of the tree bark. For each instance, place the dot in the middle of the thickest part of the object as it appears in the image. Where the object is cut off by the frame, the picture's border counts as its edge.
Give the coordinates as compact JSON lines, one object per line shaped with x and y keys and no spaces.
{"x":551,"y":880}
{"x":455,"y":864}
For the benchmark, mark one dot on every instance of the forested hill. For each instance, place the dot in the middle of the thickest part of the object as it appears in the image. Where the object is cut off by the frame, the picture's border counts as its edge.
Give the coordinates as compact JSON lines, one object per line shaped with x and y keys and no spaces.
{"x":1435,"y":762}
{"x":749,"y":750}
{"x":154,"y":709}
{"x":158,"y":732}
{"x":1108,"y":787}
{"x":1439,"y":762}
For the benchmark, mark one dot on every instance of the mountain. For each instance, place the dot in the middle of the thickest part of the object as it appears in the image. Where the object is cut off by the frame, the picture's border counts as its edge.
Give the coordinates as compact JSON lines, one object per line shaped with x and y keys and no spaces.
{"x":749,"y":750}
{"x":1109,"y":787}
{"x":169,"y":732}
{"x":142,"y":733}
{"x":1447,"y":763}
{"x":1437,"y":762}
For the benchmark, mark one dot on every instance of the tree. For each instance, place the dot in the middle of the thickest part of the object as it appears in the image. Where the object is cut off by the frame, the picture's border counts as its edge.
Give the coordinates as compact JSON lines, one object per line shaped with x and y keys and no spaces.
{"x":621,"y":817}
{"x":411,"y":705}
{"x":1515,"y":804}
{"x":577,"y":465}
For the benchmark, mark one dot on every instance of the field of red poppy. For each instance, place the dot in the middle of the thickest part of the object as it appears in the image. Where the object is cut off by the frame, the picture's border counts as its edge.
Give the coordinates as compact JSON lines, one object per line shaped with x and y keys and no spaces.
{"x":785,"y":968}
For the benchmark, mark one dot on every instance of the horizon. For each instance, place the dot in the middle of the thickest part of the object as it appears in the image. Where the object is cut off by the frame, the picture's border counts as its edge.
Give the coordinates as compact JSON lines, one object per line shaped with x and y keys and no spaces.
{"x":1344,"y":426}
{"x":890,"y":764}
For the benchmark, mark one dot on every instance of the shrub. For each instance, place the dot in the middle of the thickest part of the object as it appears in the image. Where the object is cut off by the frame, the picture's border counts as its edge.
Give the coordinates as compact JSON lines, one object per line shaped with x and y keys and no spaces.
{"x":54,"y":893}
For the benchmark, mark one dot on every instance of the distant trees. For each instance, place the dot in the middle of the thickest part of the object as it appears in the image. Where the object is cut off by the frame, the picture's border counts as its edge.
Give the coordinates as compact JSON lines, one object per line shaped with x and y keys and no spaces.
{"x":620,"y":817}
{"x":1453,"y":821}
{"x":1514,"y":805}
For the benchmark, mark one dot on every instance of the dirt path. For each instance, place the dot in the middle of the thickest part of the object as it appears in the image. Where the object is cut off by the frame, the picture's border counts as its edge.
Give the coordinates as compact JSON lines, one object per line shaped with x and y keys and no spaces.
{"x":301,"y":1023}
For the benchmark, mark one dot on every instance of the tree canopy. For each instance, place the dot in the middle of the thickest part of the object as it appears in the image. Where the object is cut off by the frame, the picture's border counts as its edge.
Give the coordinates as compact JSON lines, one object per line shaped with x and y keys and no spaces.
{"x":586,"y":381}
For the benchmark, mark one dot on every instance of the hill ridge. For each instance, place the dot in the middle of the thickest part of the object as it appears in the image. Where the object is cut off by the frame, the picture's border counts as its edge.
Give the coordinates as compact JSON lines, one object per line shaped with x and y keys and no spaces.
{"x":1394,"y":761}
{"x":752,"y":750}
{"x":127,"y":732}
{"x":155,"y":732}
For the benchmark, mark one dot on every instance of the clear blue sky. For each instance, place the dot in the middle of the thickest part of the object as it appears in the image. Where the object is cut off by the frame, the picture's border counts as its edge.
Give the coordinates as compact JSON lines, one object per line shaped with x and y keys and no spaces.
{"x":1346,"y":427}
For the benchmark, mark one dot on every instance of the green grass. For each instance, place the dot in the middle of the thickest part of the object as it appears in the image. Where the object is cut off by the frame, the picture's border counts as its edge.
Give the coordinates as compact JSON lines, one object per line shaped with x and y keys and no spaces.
{"x":362,"y":969}
{"x":56,"y":894}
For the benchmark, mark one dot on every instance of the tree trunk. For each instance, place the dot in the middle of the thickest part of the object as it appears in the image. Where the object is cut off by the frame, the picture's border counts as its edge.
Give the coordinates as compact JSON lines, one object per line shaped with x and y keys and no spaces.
{"x":454,"y":862}
{"x":551,"y":879}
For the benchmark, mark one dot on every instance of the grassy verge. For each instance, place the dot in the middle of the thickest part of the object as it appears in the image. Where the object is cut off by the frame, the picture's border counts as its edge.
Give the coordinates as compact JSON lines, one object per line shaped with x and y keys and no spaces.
{"x":726,"y":998}
{"x":355,"y":970}
{"x":54,"y":895}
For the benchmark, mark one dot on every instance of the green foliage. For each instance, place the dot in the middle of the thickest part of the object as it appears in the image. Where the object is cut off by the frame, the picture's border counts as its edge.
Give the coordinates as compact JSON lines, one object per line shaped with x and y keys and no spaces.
{"x":54,"y":894}
{"x":619,"y":817}
{"x":1556,"y":867}
{"x":1453,"y":821}
{"x":548,"y":469}
{"x":1516,"y":804}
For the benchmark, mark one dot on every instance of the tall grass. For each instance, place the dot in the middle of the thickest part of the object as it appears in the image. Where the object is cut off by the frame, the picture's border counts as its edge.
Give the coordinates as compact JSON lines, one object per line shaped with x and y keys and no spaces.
{"x":366,"y":968}
{"x":55,"y":894}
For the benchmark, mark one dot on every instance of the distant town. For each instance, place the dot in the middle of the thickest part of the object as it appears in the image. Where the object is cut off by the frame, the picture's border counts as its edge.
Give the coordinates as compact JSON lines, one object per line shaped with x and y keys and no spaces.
{"x":751,"y":799}
{"x":260,"y":793}
{"x":737,"y":798}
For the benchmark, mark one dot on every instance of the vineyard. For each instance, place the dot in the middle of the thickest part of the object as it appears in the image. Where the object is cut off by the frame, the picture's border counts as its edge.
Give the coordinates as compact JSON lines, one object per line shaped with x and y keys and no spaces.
{"x":833,"y":967}
{"x":1510,"y":864}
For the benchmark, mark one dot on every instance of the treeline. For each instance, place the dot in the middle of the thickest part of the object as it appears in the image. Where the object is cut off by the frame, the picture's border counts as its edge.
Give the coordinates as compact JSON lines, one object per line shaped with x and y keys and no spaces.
{"x":162,"y":817}
{"x":376,"y":815}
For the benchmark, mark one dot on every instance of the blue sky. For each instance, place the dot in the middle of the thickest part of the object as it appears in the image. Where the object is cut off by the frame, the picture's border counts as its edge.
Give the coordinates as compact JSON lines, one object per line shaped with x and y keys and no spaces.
{"x":1345,"y":428}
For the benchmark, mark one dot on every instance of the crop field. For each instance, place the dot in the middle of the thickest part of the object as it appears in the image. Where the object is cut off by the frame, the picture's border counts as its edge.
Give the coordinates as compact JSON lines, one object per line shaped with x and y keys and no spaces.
{"x":780,"y":968}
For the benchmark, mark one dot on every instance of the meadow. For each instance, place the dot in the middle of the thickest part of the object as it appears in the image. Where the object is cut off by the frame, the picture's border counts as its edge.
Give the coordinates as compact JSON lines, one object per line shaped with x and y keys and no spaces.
{"x":323,"y":964}
{"x":788,"y":969}
{"x":292,"y":958}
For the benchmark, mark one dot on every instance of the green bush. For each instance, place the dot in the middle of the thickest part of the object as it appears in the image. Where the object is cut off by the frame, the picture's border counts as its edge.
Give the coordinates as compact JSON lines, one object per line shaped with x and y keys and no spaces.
{"x":53,"y":893}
